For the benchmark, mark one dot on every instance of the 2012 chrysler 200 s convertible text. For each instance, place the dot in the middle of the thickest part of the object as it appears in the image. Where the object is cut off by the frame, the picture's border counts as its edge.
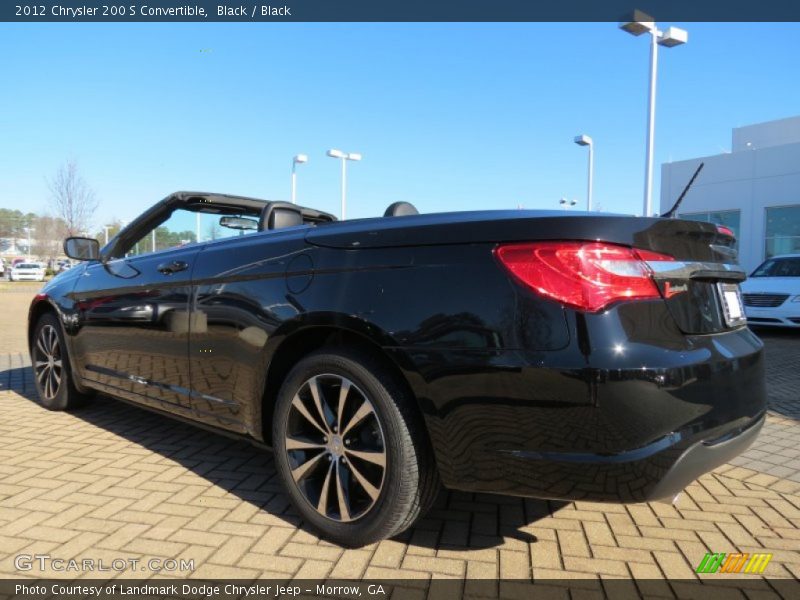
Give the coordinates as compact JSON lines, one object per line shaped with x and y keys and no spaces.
{"x":537,"y":353}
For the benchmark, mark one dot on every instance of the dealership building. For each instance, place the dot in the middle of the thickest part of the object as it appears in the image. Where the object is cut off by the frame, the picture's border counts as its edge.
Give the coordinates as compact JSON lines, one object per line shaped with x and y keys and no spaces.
{"x":754,"y":189}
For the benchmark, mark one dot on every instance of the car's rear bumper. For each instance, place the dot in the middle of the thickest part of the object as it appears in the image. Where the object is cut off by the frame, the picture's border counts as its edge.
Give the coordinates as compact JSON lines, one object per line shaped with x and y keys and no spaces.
{"x":659,"y":471}
{"x":536,"y":424}
{"x":703,"y":456}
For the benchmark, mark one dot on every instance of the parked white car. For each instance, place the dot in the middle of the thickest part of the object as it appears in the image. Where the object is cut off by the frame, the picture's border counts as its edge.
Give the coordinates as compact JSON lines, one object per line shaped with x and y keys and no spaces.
{"x":26,"y":271}
{"x":772,"y":293}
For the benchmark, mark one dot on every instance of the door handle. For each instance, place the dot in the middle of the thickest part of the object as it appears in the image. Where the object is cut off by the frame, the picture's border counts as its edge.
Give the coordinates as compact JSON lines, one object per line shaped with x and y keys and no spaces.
{"x":169,"y":268}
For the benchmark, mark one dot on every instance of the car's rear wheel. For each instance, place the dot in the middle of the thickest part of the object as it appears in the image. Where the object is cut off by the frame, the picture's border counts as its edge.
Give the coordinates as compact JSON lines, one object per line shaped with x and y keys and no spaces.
{"x":351,"y":448}
{"x":51,"y":369}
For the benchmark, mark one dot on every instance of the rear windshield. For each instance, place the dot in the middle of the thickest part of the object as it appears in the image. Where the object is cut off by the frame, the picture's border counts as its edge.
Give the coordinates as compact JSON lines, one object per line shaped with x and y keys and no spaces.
{"x":28,"y":266}
{"x":778,"y":267}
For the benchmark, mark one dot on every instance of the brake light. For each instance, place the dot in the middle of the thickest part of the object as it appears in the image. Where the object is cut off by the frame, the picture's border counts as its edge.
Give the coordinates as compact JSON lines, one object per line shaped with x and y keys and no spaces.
{"x":725,"y":230}
{"x":584,"y":275}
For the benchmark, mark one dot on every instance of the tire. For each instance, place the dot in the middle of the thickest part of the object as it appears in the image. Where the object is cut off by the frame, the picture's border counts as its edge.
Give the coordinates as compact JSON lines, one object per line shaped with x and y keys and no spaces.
{"x":371,"y":478}
{"x":51,"y":369}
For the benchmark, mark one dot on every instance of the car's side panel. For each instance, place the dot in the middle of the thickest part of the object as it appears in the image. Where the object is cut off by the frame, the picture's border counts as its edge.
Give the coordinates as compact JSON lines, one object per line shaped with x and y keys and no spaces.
{"x":241,"y":297}
{"x":443,"y":314}
{"x":254,"y":293}
{"x":435,"y":297}
{"x":131,"y":327}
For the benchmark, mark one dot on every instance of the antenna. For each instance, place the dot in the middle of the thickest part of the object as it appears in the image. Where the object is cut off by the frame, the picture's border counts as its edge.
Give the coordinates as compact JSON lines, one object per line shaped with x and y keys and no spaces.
{"x":670,"y":214}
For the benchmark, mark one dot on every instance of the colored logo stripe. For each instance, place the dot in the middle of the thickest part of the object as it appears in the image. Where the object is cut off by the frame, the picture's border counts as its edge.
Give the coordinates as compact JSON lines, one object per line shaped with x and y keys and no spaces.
{"x":734,"y":563}
{"x":710,"y":563}
{"x":758,"y":563}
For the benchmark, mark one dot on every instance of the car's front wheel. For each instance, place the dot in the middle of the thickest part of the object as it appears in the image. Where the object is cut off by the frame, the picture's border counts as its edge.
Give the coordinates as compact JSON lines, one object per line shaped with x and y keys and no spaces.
{"x":351,"y":448}
{"x":51,"y":369}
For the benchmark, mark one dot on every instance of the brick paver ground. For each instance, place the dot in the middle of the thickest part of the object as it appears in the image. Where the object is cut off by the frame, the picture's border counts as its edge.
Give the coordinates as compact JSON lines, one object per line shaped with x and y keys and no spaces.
{"x":113,"y":481}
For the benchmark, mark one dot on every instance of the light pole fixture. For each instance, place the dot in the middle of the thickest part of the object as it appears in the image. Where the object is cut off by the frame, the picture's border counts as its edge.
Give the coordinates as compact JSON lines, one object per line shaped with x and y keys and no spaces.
{"x":637,"y":24}
{"x":585,"y":140}
{"x":344,"y":157}
{"x":567,"y":203}
{"x":298,"y":159}
{"x":29,"y":229}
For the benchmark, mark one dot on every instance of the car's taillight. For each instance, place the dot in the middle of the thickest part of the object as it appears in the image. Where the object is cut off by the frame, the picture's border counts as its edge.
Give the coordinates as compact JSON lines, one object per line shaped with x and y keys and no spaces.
{"x":725,"y":231}
{"x":584,"y":275}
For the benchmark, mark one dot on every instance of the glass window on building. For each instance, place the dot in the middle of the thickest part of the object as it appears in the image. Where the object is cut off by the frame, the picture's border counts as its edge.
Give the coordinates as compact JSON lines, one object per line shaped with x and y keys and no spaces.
{"x":782,"y":231}
{"x":728,"y":218}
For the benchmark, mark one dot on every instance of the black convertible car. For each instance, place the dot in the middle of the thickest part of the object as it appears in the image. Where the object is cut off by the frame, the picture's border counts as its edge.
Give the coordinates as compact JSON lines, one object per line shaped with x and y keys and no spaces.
{"x":537,"y":353}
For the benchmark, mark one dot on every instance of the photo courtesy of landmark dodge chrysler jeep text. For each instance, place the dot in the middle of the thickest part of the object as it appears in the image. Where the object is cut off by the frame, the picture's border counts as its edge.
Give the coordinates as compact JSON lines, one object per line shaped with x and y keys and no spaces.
{"x":536,"y":353}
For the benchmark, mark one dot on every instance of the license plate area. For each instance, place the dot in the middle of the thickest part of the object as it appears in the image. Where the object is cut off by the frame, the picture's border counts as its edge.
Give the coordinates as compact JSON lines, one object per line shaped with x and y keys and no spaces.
{"x":730,"y":298}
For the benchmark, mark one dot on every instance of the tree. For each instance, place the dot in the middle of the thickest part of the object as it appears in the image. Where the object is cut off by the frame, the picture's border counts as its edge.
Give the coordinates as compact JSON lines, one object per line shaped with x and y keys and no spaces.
{"x":113,"y":229}
{"x":49,"y":233}
{"x":72,"y":199}
{"x":14,"y":222}
{"x":166,"y":238}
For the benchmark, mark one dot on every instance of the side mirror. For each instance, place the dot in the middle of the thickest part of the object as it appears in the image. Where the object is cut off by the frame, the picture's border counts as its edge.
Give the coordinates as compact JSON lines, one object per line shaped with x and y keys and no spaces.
{"x":81,"y":248}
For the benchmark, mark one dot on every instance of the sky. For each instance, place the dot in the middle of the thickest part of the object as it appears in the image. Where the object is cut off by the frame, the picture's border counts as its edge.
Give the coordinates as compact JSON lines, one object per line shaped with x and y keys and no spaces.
{"x":447,"y":116}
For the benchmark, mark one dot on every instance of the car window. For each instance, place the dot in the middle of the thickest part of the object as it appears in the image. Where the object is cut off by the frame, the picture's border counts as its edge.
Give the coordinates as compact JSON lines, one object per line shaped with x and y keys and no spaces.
{"x":185,"y":227}
{"x":778,"y":267}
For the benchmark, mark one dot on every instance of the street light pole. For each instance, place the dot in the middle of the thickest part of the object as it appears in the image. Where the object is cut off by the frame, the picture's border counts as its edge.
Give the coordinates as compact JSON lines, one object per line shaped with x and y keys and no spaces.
{"x":297,"y":160}
{"x":638,"y":24}
{"x":105,"y":230}
{"x":651,"y":125}
{"x":29,"y":229}
{"x":344,"y":188}
{"x":344,"y":157}
{"x":585,"y":140}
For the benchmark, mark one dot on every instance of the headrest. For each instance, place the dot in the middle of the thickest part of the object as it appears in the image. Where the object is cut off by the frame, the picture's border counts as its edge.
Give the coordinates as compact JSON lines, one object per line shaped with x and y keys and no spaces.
{"x":284,"y":217}
{"x":400,"y":209}
{"x":277,"y":215}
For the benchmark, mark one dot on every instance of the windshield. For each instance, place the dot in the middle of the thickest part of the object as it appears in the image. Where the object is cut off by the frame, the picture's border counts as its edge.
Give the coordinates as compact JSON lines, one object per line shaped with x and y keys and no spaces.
{"x":27,"y":266}
{"x":779,"y":267}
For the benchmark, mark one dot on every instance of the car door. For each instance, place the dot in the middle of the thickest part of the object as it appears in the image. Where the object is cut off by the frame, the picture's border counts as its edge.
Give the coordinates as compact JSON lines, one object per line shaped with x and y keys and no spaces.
{"x":241,"y":298}
{"x":133,"y":326}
